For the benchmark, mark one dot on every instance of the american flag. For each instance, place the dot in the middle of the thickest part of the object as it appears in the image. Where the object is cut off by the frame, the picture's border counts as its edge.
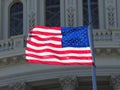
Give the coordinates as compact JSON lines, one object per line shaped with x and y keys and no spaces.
{"x":58,"y":46}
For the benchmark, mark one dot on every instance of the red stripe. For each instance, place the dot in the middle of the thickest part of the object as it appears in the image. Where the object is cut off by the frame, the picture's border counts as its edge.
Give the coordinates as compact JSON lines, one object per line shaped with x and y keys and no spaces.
{"x":58,"y":63}
{"x":44,"y":33}
{"x":45,"y":39}
{"x":61,"y":58}
{"x":41,"y":45}
{"x":45,"y":27}
{"x":59,"y":52}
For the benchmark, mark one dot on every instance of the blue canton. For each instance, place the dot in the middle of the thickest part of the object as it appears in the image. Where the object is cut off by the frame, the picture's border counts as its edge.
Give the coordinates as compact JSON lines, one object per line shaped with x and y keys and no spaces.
{"x":75,"y":36}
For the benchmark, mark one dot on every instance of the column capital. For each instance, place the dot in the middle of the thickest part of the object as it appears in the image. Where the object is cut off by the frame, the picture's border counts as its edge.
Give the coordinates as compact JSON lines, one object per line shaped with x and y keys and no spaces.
{"x":115,"y":81}
{"x":17,"y":86}
{"x":68,"y":82}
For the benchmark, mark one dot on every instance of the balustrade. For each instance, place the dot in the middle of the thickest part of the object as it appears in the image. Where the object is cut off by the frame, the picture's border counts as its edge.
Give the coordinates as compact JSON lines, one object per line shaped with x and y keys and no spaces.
{"x":6,"y":45}
{"x":17,"y":42}
{"x":106,"y":35}
{"x":12,"y":43}
{"x":102,"y":35}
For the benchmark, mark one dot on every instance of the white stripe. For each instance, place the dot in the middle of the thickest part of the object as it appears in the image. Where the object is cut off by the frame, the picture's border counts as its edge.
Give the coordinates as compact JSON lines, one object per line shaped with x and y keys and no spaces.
{"x":57,"y":60}
{"x":44,"y":42}
{"x":46,"y":30}
{"x":57,"y":49}
{"x":60,"y":55}
{"x":45,"y":36}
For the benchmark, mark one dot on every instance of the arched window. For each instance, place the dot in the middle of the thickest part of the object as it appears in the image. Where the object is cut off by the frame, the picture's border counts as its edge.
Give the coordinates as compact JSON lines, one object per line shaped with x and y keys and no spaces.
{"x":94,"y":12}
{"x":52,"y":13}
{"x":16,"y":19}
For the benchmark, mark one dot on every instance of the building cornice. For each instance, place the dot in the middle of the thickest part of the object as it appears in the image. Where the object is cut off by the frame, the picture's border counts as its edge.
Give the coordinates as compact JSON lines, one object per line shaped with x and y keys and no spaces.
{"x":56,"y":72}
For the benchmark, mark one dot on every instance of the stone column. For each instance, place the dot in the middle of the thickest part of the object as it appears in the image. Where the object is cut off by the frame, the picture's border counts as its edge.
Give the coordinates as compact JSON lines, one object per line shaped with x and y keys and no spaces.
{"x":18,"y":86}
{"x":115,"y":81}
{"x":0,"y":21}
{"x":32,"y":13}
{"x":118,"y":13}
{"x":68,"y":83}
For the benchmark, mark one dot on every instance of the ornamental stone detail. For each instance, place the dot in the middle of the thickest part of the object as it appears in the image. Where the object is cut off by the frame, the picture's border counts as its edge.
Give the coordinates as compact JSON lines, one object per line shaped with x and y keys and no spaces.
{"x":14,"y":1}
{"x":71,"y":11}
{"x":115,"y":81}
{"x":110,"y":12}
{"x":31,"y":20}
{"x":70,"y":15}
{"x":68,"y":82}
{"x":12,"y":60}
{"x":17,"y":86}
{"x":107,"y":51}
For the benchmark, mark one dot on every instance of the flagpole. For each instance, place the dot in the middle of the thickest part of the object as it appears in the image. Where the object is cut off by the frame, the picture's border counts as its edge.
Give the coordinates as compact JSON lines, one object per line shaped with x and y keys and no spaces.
{"x":92,"y":46}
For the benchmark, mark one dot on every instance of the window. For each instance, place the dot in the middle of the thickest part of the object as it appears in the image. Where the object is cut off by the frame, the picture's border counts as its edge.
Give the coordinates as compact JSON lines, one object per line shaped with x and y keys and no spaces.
{"x":94,"y":12}
{"x":16,"y":19}
{"x":52,"y":13}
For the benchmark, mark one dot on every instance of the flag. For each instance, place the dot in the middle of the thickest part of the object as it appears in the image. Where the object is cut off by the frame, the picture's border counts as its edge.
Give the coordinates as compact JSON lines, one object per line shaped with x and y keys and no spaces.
{"x":58,"y":46}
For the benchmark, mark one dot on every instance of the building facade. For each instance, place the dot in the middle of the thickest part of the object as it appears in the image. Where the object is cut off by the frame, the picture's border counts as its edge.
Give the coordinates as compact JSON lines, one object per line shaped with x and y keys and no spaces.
{"x":17,"y":17}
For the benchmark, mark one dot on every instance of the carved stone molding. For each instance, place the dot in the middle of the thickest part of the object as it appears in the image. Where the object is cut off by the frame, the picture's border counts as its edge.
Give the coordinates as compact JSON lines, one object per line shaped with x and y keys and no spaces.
{"x":13,"y":60}
{"x":17,"y":86}
{"x":70,"y":12}
{"x":97,"y":51}
{"x":31,"y":19}
{"x":68,"y":82}
{"x":118,"y":50}
{"x":115,"y":81}
{"x":16,"y":1}
{"x":110,"y":13}
{"x":4,"y":61}
{"x":107,"y":51}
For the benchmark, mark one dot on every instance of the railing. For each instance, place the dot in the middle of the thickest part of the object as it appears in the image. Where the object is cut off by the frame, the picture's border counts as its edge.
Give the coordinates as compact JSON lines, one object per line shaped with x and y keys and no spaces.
{"x":102,"y":35}
{"x":106,"y":35}
{"x":17,"y":42}
{"x":13,"y":43}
